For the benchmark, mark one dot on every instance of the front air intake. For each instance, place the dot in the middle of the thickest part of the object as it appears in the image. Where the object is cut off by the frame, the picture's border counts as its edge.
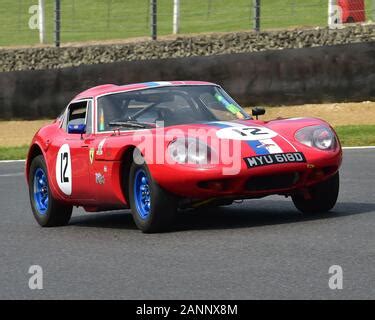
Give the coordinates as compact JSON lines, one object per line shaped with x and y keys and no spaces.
{"x":272,"y":182}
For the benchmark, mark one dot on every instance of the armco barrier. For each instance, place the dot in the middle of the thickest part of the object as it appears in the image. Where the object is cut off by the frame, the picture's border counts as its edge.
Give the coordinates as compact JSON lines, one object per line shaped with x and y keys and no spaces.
{"x":291,"y":76}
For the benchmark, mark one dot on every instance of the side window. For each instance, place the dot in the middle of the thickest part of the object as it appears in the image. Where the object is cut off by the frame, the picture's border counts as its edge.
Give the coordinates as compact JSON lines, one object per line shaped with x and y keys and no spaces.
{"x":109,"y":108}
{"x":80,"y":113}
{"x":77,"y":113}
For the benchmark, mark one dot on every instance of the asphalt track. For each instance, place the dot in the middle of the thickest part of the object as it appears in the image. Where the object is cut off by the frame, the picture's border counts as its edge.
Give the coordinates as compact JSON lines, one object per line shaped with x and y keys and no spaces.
{"x":261,"y":249}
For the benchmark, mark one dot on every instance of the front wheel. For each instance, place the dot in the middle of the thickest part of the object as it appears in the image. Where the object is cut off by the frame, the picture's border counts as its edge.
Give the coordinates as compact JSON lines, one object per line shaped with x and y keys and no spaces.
{"x":47,"y":211}
{"x":153,"y":208}
{"x":323,"y":196}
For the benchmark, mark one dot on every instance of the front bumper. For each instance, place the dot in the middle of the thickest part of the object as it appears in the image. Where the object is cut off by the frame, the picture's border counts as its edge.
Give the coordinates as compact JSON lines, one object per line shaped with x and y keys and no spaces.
{"x":210,"y":182}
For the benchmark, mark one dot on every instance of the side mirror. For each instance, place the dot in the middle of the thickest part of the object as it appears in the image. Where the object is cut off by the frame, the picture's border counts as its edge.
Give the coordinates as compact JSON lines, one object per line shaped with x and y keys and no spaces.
{"x":258,"y":111}
{"x":77,"y":128}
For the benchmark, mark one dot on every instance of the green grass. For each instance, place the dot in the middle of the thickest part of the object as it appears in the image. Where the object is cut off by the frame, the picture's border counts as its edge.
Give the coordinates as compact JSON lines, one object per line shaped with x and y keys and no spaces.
{"x":363,"y":135}
{"x":84,"y":20}
{"x":13,"y":153}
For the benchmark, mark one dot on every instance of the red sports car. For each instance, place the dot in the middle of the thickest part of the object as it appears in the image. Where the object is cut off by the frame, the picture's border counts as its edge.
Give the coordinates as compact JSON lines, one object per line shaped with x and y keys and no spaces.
{"x":158,"y":147}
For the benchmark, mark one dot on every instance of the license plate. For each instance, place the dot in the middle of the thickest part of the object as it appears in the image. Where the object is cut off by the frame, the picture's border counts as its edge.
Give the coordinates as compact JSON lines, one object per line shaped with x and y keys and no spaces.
{"x":277,"y":158}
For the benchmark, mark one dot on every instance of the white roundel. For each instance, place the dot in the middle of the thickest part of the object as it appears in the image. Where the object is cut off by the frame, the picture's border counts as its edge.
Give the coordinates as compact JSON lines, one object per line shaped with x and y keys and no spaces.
{"x":246,"y":133}
{"x":64,"y":170}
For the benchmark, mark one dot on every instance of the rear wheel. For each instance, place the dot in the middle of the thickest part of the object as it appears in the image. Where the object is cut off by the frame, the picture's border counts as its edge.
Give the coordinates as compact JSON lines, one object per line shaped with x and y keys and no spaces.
{"x":47,"y":211}
{"x":323,"y":196}
{"x":153,"y":208}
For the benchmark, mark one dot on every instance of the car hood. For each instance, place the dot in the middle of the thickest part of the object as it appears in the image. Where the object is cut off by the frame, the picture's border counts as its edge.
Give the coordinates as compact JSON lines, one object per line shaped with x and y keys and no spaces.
{"x":254,"y":137}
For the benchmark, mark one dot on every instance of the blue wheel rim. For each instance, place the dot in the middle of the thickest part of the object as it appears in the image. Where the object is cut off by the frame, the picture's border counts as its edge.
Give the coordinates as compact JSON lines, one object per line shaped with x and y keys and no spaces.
{"x":40,"y":191}
{"x":142,"y":194}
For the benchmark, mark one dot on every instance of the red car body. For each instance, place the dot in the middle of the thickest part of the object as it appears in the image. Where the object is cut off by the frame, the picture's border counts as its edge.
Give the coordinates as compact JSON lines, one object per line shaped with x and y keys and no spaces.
{"x":100,"y":160}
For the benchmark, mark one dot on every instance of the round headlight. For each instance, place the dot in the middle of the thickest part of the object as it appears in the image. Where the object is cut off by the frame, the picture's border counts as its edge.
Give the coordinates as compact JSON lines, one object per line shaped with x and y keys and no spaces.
{"x":319,"y":137}
{"x":323,"y":138}
{"x":189,"y":150}
{"x":178,"y":151}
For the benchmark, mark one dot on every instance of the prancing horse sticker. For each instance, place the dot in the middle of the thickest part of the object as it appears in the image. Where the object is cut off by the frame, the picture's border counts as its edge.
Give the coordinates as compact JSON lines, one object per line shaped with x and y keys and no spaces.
{"x":91,"y":155}
{"x":64,"y":170}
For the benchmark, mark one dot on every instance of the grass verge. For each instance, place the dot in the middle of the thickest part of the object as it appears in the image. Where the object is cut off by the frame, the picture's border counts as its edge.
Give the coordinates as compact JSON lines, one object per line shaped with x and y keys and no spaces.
{"x":362,"y":135}
{"x":13,"y":153}
{"x":87,"y":20}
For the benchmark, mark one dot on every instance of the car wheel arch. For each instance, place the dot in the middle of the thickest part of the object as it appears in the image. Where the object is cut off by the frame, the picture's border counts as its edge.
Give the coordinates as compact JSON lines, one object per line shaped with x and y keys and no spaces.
{"x":34,"y":151}
{"x":126,"y":162}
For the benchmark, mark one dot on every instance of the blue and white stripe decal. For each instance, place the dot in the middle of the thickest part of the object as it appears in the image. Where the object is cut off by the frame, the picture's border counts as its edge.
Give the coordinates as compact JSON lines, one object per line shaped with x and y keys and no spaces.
{"x":260,"y":147}
{"x":156,"y":83}
{"x":219,"y":124}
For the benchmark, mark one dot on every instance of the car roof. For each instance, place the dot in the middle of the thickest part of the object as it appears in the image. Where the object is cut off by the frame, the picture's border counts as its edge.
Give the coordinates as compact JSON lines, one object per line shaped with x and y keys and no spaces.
{"x":112,"y":88}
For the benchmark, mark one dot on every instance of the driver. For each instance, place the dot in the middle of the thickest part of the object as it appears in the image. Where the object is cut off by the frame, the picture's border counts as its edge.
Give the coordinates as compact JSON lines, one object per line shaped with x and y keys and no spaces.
{"x":108,"y":111}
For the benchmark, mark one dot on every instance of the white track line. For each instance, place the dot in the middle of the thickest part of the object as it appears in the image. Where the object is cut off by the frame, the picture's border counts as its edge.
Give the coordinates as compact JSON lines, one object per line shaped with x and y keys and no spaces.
{"x":358,"y":148}
{"x":17,"y":174}
{"x":11,"y":161}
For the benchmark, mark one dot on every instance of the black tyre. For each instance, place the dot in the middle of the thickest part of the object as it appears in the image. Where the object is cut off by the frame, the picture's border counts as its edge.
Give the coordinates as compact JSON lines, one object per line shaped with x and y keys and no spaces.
{"x":323,"y":196}
{"x":47,"y":211}
{"x":153,"y":208}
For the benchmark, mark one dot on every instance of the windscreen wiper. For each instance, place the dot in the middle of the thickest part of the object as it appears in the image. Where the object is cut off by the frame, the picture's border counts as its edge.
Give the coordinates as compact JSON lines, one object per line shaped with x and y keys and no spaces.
{"x":130,"y":124}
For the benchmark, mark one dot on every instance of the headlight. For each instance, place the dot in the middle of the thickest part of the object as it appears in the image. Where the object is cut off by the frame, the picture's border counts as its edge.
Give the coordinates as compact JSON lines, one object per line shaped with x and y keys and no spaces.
{"x":189,"y":150}
{"x":320,"y":137}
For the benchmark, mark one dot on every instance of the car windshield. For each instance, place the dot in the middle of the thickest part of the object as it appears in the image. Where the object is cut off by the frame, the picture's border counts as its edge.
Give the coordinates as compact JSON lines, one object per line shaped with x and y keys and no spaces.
{"x":173,"y":105}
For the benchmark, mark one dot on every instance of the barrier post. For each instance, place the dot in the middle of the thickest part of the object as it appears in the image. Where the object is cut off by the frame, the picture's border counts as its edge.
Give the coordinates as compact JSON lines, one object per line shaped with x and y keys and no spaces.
{"x":176,"y":16}
{"x":154,"y":6}
{"x":41,"y":20}
{"x":256,"y":18}
{"x":57,"y":23}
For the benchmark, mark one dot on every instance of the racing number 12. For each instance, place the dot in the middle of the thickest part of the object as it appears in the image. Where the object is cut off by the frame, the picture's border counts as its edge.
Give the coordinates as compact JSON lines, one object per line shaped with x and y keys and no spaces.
{"x":64,"y":164}
{"x":249,"y":131}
